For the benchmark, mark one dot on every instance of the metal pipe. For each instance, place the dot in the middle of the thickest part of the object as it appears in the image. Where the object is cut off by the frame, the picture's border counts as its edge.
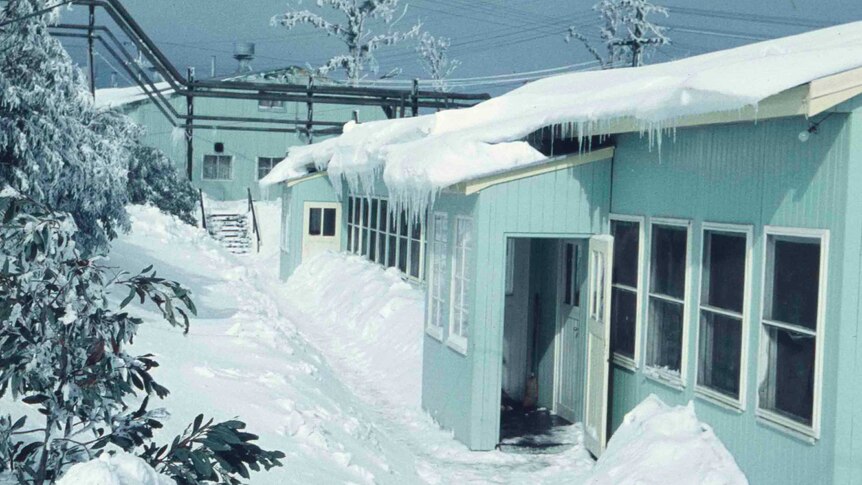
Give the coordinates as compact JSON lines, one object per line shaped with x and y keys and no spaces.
{"x":190,"y":112}
{"x":90,"y":62}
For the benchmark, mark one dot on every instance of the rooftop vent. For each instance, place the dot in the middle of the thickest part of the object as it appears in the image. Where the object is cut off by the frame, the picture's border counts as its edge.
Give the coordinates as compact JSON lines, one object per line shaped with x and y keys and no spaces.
{"x":244,"y":53}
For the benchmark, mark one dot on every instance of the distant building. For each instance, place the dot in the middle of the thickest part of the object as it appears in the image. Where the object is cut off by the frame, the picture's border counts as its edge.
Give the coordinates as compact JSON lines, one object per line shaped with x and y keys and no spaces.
{"x":227,"y":163}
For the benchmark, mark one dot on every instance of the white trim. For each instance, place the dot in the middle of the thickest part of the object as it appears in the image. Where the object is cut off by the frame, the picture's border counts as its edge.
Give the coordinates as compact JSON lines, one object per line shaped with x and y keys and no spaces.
{"x":747,"y":231}
{"x":456,"y":339}
{"x":622,"y":360}
{"x":480,"y":183}
{"x":431,"y":326}
{"x":304,"y":178}
{"x":783,"y":423}
{"x":659,"y":375}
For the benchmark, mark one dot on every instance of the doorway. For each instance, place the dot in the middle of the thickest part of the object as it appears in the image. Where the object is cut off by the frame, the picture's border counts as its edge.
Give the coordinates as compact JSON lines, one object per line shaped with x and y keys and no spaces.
{"x":321,"y":228}
{"x":543,"y":345}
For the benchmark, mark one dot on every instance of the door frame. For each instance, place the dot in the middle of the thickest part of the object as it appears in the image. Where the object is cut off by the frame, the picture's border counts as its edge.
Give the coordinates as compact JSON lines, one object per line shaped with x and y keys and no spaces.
{"x":307,"y":238}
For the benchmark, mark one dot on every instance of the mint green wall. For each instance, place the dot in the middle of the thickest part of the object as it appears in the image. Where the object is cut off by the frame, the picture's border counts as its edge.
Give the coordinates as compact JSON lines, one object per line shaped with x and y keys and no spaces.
{"x":293,"y":201}
{"x":756,"y":174}
{"x":244,"y":146}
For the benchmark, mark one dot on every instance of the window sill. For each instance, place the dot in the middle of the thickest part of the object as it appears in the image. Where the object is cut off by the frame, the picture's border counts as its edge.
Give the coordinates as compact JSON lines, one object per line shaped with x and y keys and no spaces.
{"x":788,"y":427}
{"x":457,"y":344}
{"x":624,"y":362}
{"x":434,"y":332}
{"x":665,"y":378}
{"x":718,"y":399}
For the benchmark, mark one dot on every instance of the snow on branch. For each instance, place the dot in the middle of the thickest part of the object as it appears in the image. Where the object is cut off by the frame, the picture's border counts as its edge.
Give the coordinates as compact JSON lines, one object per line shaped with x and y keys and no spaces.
{"x":365,"y":27}
{"x":628,"y":34}
{"x":434,"y":57}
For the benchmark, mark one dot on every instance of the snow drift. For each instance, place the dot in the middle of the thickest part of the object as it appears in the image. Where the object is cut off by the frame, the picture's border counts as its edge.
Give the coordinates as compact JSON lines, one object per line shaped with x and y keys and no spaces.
{"x":420,"y":156}
{"x":374,"y":319}
{"x":119,"y":469}
{"x":658,"y":444}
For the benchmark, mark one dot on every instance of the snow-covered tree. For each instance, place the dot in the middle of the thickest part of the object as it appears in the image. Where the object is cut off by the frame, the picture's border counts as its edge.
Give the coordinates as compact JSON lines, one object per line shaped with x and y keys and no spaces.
{"x":154,"y":179}
{"x":365,"y":27}
{"x":434,"y":57}
{"x":55,"y":145}
{"x":65,"y":351}
{"x":628,"y":34}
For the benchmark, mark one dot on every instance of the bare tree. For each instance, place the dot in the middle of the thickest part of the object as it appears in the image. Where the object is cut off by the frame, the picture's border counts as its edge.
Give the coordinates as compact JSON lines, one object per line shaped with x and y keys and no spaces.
{"x":627,"y":33}
{"x":356,"y":31}
{"x":434,"y":57}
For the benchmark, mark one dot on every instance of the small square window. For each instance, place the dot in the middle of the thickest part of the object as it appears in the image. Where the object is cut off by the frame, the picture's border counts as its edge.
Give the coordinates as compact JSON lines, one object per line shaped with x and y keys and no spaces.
{"x":271,"y":105}
{"x":265,"y":165}
{"x":217,"y":167}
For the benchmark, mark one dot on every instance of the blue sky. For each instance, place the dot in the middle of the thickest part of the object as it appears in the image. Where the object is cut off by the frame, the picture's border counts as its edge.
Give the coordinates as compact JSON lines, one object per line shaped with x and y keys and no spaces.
{"x":489,"y":37}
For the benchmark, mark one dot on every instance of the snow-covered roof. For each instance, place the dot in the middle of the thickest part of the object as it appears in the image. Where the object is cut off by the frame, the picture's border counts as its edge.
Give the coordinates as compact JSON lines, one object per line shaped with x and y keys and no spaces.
{"x":116,"y":97}
{"x":420,"y":156}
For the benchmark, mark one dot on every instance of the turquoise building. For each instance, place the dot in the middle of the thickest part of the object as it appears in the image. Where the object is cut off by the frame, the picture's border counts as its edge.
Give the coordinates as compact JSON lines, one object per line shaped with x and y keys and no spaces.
{"x":228,"y":162}
{"x":723,"y":267}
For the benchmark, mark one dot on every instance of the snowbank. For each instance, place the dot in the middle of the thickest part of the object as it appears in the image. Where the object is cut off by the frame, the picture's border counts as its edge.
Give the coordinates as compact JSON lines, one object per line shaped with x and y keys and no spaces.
{"x":421,"y":156}
{"x":373,"y":319}
{"x":658,"y":444}
{"x":119,"y":469}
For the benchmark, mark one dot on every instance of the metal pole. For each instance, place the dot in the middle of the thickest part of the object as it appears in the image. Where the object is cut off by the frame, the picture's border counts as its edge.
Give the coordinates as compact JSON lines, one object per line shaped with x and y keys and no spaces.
{"x":190,"y":112}
{"x":310,"y":108}
{"x":637,"y":52}
{"x":90,"y":64}
{"x":414,"y":98}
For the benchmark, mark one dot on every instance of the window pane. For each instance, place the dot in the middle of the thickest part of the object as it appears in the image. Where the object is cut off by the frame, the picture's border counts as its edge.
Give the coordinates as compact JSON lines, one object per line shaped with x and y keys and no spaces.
{"x":372,"y":246}
{"x":328,"y":222}
{"x":414,"y":259}
{"x":664,"y":349}
{"x":789,"y":386}
{"x":626,"y":240}
{"x":719,"y":353}
{"x":724,"y":270}
{"x":314,"y":222}
{"x":349,"y":237}
{"x":623,"y":314}
{"x":365,"y":212}
{"x":384,"y":215}
{"x":667,"y":271}
{"x":416,"y":232}
{"x":392,"y":252}
{"x":402,"y":254}
{"x":403,"y":229}
{"x":373,"y":222}
{"x":795,"y":282}
{"x":569,"y":276}
{"x":357,"y":204}
{"x":355,"y":239}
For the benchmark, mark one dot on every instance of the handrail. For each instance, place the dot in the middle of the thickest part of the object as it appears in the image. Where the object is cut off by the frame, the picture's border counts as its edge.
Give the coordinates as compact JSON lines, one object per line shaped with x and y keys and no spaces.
{"x":203,"y":213}
{"x":254,"y":226}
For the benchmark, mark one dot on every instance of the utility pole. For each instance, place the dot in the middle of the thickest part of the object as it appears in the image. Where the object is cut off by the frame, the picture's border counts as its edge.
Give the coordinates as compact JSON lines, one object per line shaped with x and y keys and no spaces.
{"x":637,"y":48}
{"x":190,"y":113}
{"x":309,"y":106}
{"x":414,"y":98}
{"x":90,"y":64}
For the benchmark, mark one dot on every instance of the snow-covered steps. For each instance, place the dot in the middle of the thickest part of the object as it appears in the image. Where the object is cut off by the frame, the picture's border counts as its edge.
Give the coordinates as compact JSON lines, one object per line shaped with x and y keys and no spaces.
{"x":231,"y":230}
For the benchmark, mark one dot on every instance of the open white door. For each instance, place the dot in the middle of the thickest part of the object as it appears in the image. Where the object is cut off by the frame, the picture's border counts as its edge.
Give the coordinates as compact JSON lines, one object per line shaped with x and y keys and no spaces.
{"x":569,"y":371}
{"x":321,"y":223}
{"x":598,"y":344}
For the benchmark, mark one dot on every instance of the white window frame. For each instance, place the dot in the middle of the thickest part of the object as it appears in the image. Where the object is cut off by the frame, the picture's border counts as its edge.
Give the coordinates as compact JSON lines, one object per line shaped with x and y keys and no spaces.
{"x":435,"y":301}
{"x":658,"y":375}
{"x":392,"y":229}
{"x":618,"y":359}
{"x":203,"y":171}
{"x":455,"y":339}
{"x":783,"y":423}
{"x":701,"y":391}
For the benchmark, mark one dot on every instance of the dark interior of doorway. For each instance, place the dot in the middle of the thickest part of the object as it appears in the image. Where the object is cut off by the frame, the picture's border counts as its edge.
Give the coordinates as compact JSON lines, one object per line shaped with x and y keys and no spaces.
{"x":526,"y":423}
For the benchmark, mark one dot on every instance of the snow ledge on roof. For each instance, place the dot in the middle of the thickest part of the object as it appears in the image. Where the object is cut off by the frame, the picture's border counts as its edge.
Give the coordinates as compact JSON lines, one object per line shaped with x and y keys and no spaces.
{"x":420,"y":156}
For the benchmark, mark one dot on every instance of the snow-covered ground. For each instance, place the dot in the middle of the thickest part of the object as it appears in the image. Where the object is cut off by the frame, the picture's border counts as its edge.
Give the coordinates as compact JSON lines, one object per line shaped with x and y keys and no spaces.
{"x":327,"y":368}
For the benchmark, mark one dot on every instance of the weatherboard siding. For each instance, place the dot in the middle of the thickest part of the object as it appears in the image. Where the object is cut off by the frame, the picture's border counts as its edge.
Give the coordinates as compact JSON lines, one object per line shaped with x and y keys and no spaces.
{"x":755,"y":174}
